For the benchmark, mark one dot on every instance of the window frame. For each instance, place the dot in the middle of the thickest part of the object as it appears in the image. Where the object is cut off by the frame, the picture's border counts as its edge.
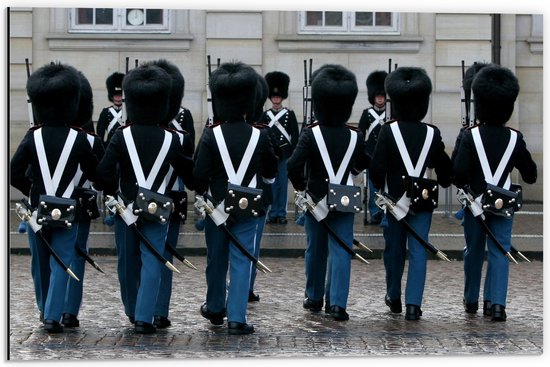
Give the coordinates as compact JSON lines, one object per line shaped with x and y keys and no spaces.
{"x":348,"y":26}
{"x":119,"y":23}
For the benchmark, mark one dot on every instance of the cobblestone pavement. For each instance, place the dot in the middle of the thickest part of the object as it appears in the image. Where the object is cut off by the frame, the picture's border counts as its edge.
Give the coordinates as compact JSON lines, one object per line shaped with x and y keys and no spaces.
{"x":283,"y":327}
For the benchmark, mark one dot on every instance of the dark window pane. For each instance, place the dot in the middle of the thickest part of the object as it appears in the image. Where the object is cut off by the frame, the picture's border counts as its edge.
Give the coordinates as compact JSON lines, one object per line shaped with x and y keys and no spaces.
{"x":314,"y":18}
{"x":153,"y":16}
{"x":84,"y":16}
{"x":383,"y":19}
{"x":333,"y":18}
{"x":363,"y":19}
{"x":103,"y":16}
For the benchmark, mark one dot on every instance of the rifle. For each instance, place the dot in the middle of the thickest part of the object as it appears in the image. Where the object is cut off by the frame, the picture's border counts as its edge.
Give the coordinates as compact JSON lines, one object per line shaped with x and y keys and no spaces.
{"x":306,"y":95}
{"x":467,"y":104}
{"x":29,"y":103}
{"x":388,"y":100}
{"x":209,"y":102}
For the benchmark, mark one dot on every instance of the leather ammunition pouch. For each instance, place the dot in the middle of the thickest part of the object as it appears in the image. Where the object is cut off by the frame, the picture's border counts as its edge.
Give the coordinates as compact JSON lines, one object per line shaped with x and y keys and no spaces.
{"x":242,"y":201}
{"x":344,"y":198}
{"x":56,"y":212}
{"x":86,"y":204}
{"x":500,"y":201}
{"x":179,"y":198}
{"x":424,"y":194}
{"x":152,"y":206}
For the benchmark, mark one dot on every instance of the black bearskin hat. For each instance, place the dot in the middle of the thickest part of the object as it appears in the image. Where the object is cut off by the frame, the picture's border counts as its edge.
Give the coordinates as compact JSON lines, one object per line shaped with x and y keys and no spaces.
{"x":409,"y":89}
{"x":278,"y":84}
{"x":333,"y":91}
{"x":233,"y":87}
{"x":375,"y":85}
{"x":469,"y":77}
{"x":262,"y":91}
{"x":147,"y":91}
{"x":54,"y":90}
{"x":495,"y":90}
{"x":114,"y":84}
{"x":85,"y":105}
{"x":178,"y":88}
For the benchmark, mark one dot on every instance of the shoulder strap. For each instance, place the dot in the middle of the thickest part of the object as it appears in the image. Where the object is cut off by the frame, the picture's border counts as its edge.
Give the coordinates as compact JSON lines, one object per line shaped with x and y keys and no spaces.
{"x":238,"y":176}
{"x":489,"y":177}
{"x":275,"y":122}
{"x":52,"y":183}
{"x":335,"y":178}
{"x":138,"y":170}
{"x":78,"y":180}
{"x":116,"y":117}
{"x":413,"y":171}
{"x":377,"y":119}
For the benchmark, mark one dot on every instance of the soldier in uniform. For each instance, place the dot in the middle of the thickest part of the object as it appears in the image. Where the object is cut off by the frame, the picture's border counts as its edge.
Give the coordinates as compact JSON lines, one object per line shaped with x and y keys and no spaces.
{"x":83,"y":121}
{"x":495,"y":90}
{"x":334,"y":89}
{"x":176,"y":188}
{"x":409,"y":89}
{"x":284,"y":127}
{"x":144,"y":151}
{"x":233,"y":88}
{"x":54,"y":90}
{"x":110,"y":117}
{"x":370,"y":122}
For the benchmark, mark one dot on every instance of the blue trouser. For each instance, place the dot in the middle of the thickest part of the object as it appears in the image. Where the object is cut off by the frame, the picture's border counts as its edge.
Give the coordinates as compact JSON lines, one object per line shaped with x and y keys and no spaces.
{"x":165,"y":291}
{"x":40,"y":268}
{"x":128,"y":265}
{"x":280,"y":191}
{"x":496,"y":281}
{"x":259,"y":232}
{"x":397,"y":240}
{"x":321,"y":249}
{"x":62,"y":242}
{"x":149,"y":272}
{"x":221,"y":255}
{"x":73,"y":297}
{"x":373,"y":208}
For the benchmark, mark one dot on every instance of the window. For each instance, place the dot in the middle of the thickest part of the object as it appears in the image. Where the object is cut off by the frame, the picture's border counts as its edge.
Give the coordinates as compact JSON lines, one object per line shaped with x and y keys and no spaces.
{"x":128,"y":20}
{"x":338,"y":22}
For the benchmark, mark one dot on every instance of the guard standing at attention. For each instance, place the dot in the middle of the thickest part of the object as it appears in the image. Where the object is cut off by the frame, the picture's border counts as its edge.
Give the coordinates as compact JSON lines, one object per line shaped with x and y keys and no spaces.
{"x":400,"y":143}
{"x":110,"y":118}
{"x":54,"y":151}
{"x":175,"y":189}
{"x":370,"y":123}
{"x":87,"y":208}
{"x":144,"y":151}
{"x":482,"y":163}
{"x":328,"y":153}
{"x":284,"y":128}
{"x":230,"y":159}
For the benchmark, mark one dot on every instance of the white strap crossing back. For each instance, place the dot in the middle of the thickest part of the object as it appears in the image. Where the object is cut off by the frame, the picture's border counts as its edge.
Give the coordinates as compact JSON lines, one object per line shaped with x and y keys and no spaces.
{"x":51,"y":183}
{"x":138,"y":170}
{"x":378,"y":119}
{"x":413,"y":171}
{"x":335,"y":178}
{"x":489,"y":177}
{"x":236,"y":177}
{"x":275,"y":121}
{"x":117,"y":116}
{"x":175,"y":123}
{"x":78,"y":174}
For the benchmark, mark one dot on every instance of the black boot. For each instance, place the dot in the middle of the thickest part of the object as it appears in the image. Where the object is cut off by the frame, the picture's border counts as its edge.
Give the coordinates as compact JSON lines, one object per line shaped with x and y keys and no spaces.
{"x":394,"y":304}
{"x":470,"y":307}
{"x":412,"y":312}
{"x":498,"y":313}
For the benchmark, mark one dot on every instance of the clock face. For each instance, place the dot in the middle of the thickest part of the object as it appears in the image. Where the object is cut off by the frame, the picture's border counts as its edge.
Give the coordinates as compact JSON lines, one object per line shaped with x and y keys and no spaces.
{"x":135,"y":16}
